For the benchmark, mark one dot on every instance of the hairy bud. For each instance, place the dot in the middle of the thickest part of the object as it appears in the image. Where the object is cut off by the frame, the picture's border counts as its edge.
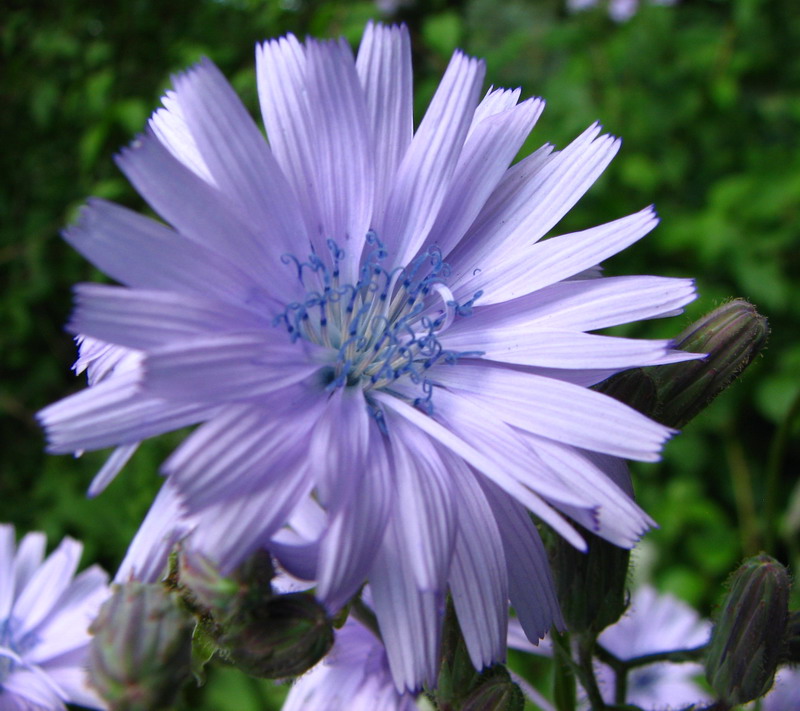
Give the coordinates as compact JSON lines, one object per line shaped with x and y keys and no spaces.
{"x":141,"y":651}
{"x":495,"y":692}
{"x":220,"y":596}
{"x":732,"y":336}
{"x":284,"y":636}
{"x":748,"y":639}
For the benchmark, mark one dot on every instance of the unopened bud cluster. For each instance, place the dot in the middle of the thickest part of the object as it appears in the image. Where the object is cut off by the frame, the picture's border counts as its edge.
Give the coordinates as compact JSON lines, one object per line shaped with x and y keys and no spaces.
{"x":265,"y":635}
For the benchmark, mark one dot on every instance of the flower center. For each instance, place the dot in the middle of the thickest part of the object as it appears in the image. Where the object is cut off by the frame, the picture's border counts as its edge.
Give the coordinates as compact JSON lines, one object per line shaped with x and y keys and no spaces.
{"x":383,"y":327}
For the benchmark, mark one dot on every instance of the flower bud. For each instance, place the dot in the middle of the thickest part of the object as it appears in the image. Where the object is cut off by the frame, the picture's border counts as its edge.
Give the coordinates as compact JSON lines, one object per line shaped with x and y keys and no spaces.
{"x":748,"y":639}
{"x":635,"y":388}
{"x":140,"y":654}
{"x":284,"y":636}
{"x":224,"y":597}
{"x":732,"y":336}
{"x":590,"y":585}
{"x":495,"y":692}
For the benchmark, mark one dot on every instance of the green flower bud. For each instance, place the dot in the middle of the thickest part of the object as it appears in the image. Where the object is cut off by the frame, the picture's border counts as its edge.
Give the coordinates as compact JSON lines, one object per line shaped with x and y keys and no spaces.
{"x":495,"y":692}
{"x":283,"y":636}
{"x":590,"y":585}
{"x":732,"y":336}
{"x":141,"y":650}
{"x":748,"y":639}
{"x":635,"y":388}
{"x":224,"y":597}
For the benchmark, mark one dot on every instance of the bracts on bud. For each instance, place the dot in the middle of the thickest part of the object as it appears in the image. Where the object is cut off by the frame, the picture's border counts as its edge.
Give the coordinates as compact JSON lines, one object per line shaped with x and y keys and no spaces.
{"x":749,"y":636}
{"x":141,"y":650}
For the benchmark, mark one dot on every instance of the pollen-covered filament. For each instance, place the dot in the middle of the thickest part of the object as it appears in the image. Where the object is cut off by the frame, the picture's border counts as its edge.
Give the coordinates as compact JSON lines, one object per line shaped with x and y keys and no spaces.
{"x":382,"y":327}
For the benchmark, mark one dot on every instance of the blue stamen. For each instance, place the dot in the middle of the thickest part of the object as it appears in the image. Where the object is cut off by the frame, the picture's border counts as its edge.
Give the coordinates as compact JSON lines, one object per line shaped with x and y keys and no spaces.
{"x":377,"y":328}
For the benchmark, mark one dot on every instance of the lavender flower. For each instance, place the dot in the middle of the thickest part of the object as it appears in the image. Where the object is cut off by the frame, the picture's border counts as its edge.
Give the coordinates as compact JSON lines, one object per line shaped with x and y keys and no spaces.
{"x":354,"y":676}
{"x":656,"y":623}
{"x":618,"y":10}
{"x":389,"y":365}
{"x":45,"y":613}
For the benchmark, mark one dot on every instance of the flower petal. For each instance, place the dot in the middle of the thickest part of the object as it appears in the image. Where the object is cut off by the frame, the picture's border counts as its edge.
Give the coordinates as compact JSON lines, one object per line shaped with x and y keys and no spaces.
{"x":227,"y":367}
{"x":425,"y":504}
{"x":478,"y":575}
{"x":383,"y":65}
{"x":548,"y":195}
{"x":141,"y":319}
{"x":202,"y":213}
{"x":487,"y":153}
{"x":237,"y":155}
{"x":409,"y":619}
{"x":563,"y":349}
{"x":424,"y":176}
{"x":559,"y":411}
{"x":530,"y":581}
{"x":584,"y":305}
{"x":544,"y":263}
{"x":140,"y":252}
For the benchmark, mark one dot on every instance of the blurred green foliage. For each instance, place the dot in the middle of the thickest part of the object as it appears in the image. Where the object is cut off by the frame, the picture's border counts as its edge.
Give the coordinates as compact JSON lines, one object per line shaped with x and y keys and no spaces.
{"x":705,"y":95}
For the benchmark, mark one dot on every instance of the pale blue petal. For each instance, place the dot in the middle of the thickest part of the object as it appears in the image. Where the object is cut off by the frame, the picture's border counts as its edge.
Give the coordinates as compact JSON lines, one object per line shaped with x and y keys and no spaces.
{"x":478,"y":577}
{"x":230,"y":530}
{"x":488,"y":151}
{"x":424,"y":176}
{"x":140,"y":252}
{"x":66,"y":628}
{"x":36,"y":600}
{"x":148,"y":553}
{"x":530,"y":581}
{"x":546,"y":348}
{"x":342,"y":151}
{"x":72,"y":677}
{"x":226,"y":367}
{"x":384,"y":68}
{"x":202,"y":213}
{"x":485,"y":462}
{"x":237,"y":156}
{"x":34,"y":687}
{"x":533,"y":267}
{"x":169,"y":124}
{"x":585,"y":305}
{"x":111,"y":467}
{"x":350,"y":545}
{"x":425,"y":507}
{"x":30,"y":554}
{"x":615,"y":516}
{"x":560,"y":411}
{"x":505,"y":208}
{"x":139,"y":319}
{"x":112,"y":413}
{"x":409,"y":619}
{"x":243,"y":450}
{"x":547,"y":196}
